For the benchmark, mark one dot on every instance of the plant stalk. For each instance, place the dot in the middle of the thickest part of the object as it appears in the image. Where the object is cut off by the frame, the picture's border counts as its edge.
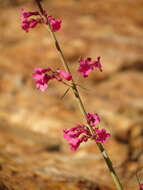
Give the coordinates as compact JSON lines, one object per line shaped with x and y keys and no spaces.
{"x":80,"y":103}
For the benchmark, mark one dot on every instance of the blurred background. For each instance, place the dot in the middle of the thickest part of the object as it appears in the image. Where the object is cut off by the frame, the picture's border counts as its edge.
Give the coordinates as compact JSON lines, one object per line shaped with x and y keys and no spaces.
{"x":33,"y":153}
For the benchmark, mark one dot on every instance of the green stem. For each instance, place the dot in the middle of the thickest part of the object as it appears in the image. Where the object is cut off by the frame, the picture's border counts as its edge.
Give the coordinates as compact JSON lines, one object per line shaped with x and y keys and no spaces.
{"x":80,"y":103}
{"x":110,"y":167}
{"x":74,"y":88}
{"x":82,"y":108}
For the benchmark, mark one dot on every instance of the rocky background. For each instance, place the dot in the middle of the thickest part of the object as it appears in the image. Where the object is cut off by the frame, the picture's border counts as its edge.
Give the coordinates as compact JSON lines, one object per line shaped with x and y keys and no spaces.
{"x":33,"y":153}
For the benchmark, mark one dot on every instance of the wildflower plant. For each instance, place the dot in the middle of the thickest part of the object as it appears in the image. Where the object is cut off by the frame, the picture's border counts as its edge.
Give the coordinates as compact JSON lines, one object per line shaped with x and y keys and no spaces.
{"x":80,"y":133}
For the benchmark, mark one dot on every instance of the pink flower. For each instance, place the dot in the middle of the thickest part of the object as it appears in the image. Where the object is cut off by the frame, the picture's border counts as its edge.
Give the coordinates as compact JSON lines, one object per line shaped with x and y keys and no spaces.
{"x":75,"y":136}
{"x":65,"y":75}
{"x":34,"y":22}
{"x":101,"y":135}
{"x":25,"y":15}
{"x":92,"y":119}
{"x":141,"y":187}
{"x":27,"y":24}
{"x":80,"y":133}
{"x":58,"y":77}
{"x":41,"y":78}
{"x":55,"y":23}
{"x":98,"y":64}
{"x":85,"y":67}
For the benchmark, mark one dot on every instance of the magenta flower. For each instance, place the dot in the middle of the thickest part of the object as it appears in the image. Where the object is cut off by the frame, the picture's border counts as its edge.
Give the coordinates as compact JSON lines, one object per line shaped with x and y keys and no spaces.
{"x":31,"y":23}
{"x":141,"y":187}
{"x":41,"y":78}
{"x":80,"y":133}
{"x":92,"y":119}
{"x":55,"y":23}
{"x":75,"y":136}
{"x":25,"y":15}
{"x":101,"y":135}
{"x":85,"y":67}
{"x":34,"y":22}
{"x":98,"y":64}
{"x":58,"y":77}
{"x":65,"y":75}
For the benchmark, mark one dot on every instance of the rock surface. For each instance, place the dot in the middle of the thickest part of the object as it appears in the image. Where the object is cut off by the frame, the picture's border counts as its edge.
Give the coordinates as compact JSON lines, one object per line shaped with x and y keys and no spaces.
{"x":33,"y":153}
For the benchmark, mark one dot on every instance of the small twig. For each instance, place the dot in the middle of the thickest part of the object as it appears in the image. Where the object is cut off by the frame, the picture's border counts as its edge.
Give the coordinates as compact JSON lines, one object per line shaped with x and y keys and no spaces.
{"x":65,"y":93}
{"x":138,"y":179}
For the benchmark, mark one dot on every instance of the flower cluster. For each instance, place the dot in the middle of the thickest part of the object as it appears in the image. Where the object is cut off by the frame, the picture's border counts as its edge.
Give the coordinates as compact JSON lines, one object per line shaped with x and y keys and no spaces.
{"x":81,"y":133}
{"x":28,"y":23}
{"x":41,"y":77}
{"x":76,"y":135}
{"x":101,"y":135}
{"x":31,"y":23}
{"x":55,"y":23}
{"x":86,"y":66}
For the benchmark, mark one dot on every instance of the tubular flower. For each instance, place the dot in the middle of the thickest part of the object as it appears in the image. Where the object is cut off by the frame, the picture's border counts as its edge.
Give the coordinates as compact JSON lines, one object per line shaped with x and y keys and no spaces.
{"x":34,"y":22}
{"x":98,"y":64}
{"x":58,"y":77}
{"x":55,"y":23}
{"x":92,"y":119}
{"x":86,"y":66}
{"x":81,"y":133}
{"x":25,"y":15}
{"x":31,"y":23}
{"x":41,"y":78}
{"x":76,"y":135}
{"x":65,"y":75}
{"x":101,"y":135}
{"x":28,"y":23}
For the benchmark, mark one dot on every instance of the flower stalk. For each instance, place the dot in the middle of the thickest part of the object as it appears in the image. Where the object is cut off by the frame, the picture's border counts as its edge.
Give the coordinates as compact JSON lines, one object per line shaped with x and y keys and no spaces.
{"x":78,"y":98}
